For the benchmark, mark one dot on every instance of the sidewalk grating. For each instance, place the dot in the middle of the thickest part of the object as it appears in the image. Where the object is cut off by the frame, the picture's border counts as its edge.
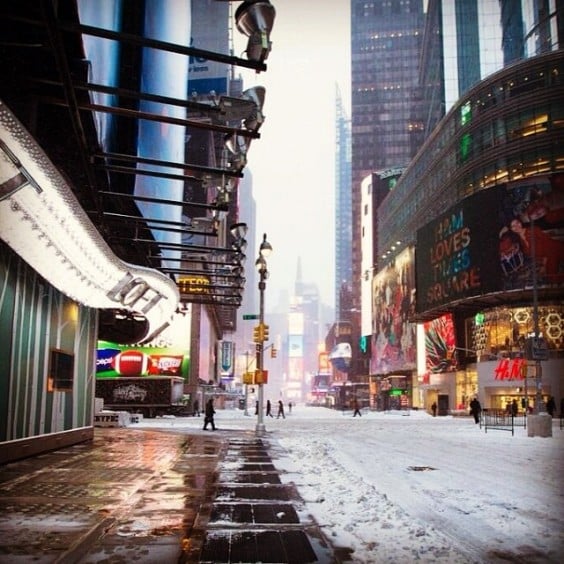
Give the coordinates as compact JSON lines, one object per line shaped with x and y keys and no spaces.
{"x":253,"y":515}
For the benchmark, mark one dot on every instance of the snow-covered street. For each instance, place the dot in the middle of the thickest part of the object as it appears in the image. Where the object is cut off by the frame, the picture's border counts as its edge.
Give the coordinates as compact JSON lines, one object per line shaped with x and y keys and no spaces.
{"x":407,"y":487}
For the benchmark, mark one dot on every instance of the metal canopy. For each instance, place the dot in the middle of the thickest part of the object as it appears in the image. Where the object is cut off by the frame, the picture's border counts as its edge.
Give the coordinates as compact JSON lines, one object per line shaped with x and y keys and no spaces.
{"x":45,"y":82}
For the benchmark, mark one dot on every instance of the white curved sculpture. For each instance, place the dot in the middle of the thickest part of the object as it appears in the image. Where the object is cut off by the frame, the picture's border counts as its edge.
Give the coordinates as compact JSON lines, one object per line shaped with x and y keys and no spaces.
{"x":42,"y":221}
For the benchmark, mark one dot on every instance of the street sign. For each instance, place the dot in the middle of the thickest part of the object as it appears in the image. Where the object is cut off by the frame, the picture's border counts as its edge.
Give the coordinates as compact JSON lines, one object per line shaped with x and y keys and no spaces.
{"x":250,"y":316}
{"x":536,"y":348}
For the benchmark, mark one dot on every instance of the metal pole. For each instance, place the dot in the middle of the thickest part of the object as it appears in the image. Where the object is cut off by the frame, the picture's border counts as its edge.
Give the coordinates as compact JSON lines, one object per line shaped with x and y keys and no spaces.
{"x":538,"y":367}
{"x":246,"y":412}
{"x":260,"y":428}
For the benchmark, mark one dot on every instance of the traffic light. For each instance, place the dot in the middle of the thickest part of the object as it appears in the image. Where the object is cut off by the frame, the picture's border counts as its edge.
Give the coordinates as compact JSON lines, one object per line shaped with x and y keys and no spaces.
{"x":273,"y":352}
{"x":258,"y":333}
{"x":265,"y":332}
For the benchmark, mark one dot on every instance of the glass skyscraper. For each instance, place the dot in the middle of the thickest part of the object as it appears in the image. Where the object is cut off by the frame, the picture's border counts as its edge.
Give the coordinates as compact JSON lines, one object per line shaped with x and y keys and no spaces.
{"x":387,"y":103}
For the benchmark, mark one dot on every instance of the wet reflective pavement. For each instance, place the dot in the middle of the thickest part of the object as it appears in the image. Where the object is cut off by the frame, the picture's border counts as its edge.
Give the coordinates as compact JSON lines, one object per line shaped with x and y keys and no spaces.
{"x":151,"y":496}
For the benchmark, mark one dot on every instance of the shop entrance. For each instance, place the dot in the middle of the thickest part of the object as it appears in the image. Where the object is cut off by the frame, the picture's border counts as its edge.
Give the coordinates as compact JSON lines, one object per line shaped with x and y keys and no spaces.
{"x":442,"y":404}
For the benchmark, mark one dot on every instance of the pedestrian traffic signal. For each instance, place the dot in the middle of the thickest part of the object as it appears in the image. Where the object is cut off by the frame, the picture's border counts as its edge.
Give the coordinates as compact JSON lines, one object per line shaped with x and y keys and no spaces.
{"x":273,"y":352}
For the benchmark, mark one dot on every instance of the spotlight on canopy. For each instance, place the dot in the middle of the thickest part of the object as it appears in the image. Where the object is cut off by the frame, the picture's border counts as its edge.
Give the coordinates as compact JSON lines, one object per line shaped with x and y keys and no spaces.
{"x":238,"y":146}
{"x":238,"y":230}
{"x":214,"y":180}
{"x":256,"y":118}
{"x":254,"y":18}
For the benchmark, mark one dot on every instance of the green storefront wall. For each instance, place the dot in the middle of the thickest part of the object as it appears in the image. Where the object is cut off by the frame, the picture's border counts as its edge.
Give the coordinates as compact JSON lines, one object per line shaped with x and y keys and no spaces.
{"x":39,"y":408}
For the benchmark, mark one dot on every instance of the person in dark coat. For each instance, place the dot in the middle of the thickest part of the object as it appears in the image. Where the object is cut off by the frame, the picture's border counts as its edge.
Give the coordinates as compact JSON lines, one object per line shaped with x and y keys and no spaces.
{"x":269,"y":409}
{"x":514,"y":408}
{"x":475,"y":409}
{"x":434,"y":409}
{"x":280,"y":410}
{"x":208,"y":415}
{"x":551,"y":406}
{"x":356,"y":408}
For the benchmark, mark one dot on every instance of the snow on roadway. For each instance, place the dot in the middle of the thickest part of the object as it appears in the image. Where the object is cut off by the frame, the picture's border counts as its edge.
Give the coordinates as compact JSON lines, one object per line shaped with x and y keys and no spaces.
{"x":402,"y":487}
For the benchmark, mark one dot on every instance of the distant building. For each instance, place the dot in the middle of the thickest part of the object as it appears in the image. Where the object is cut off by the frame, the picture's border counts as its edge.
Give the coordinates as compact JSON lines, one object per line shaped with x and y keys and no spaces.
{"x":343,"y":201}
{"x":388,"y":110}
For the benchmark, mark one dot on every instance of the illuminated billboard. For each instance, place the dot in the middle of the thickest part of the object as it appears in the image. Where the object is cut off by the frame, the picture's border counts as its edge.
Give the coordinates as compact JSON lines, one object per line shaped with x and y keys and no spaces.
{"x":457,"y":254}
{"x":492,"y":241}
{"x":440,"y":345}
{"x":168,"y":355}
{"x":393,"y":337}
{"x":209,"y":32}
{"x":295,"y":346}
{"x":532,"y":221}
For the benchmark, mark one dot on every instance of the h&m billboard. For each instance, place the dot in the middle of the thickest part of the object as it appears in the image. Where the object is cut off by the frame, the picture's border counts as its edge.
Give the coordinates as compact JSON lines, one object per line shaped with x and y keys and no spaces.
{"x":485,"y":243}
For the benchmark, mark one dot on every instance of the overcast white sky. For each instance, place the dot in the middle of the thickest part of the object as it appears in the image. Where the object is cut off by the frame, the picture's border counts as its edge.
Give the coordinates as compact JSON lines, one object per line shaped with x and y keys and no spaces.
{"x":403,"y":487}
{"x":293,"y":163}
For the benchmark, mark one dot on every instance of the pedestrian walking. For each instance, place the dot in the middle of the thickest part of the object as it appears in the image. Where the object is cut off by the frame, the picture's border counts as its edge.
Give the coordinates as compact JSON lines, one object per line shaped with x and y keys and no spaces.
{"x":551,"y":406}
{"x":475,"y":409}
{"x":514,"y":408}
{"x":269,"y":409}
{"x":289,"y":407}
{"x":356,"y":408}
{"x":280,"y":410}
{"x":196,"y":408}
{"x":434,"y":408}
{"x":256,"y":408}
{"x":208,"y":415}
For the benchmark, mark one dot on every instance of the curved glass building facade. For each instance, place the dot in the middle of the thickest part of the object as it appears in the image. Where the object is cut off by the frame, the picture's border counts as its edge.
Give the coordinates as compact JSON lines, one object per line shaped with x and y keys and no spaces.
{"x":481,"y":208}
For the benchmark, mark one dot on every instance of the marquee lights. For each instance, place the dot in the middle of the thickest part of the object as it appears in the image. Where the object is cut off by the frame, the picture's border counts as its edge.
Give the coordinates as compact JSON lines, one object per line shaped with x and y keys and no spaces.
{"x":42,"y":221}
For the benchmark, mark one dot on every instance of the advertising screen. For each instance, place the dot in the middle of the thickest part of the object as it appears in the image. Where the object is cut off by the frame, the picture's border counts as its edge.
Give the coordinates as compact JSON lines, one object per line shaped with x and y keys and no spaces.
{"x":168,"y":355}
{"x":495,"y":240}
{"x":295,"y":346}
{"x":457,"y":253}
{"x":122,"y":361}
{"x":531,"y":232}
{"x":210,"y":33}
{"x":393,"y":338}
{"x":440,"y":345}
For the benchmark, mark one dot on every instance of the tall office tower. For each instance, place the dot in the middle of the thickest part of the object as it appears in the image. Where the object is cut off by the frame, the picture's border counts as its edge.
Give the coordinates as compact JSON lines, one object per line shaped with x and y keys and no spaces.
{"x":462,"y":44}
{"x":387,"y":106}
{"x":472,"y":39}
{"x":467,"y":40}
{"x":531,"y":27}
{"x":343,"y":207}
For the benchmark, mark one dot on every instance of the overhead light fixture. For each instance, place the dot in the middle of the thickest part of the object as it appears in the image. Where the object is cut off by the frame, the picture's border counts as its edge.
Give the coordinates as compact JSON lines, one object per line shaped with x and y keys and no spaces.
{"x":43,"y":222}
{"x":209,"y":225}
{"x":235,"y":109}
{"x":216,"y":180}
{"x":238,"y":230}
{"x":256,"y":118}
{"x":239,"y":245}
{"x":255,"y":18}
{"x":223,"y":199}
{"x":238,"y":146}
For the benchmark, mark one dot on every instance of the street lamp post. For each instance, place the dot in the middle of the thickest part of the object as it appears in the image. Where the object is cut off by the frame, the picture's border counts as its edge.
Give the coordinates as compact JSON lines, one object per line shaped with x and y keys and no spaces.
{"x":264,"y":251}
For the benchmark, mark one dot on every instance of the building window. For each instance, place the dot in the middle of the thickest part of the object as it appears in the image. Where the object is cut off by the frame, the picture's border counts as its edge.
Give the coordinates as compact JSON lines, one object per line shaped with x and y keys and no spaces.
{"x":61,"y":371}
